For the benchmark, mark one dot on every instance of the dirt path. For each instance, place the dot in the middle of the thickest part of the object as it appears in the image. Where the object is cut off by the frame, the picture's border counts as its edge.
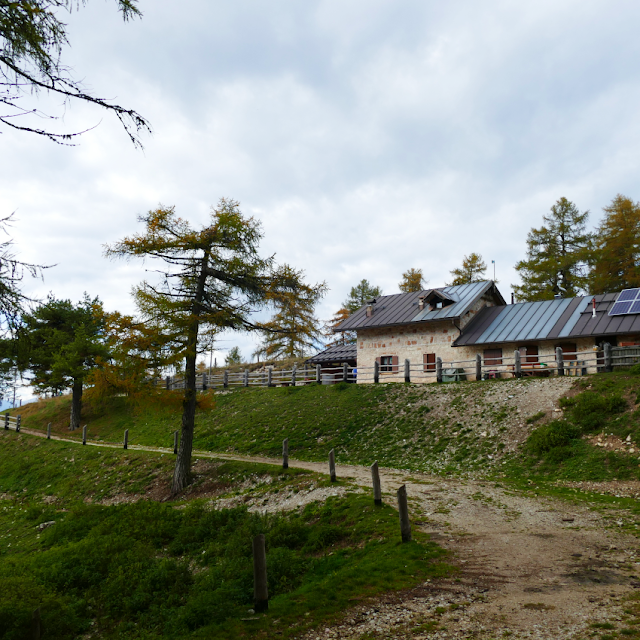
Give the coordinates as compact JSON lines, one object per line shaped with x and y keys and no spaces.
{"x":530,"y":567}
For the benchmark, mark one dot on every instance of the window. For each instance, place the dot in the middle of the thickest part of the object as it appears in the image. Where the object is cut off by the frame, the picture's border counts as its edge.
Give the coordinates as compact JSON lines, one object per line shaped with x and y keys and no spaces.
{"x":528,"y":354}
{"x":569,"y":350}
{"x":388,"y":364}
{"x":429,"y":361}
{"x":492,"y":357}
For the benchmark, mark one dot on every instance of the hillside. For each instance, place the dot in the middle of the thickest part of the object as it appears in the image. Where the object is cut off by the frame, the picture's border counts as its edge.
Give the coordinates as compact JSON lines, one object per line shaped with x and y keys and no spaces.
{"x":435,"y":428}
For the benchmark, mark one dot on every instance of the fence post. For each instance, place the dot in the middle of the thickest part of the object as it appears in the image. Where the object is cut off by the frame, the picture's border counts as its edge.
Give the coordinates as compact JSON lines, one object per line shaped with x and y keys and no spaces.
{"x":319,"y":374}
{"x":285,"y":453}
{"x":18,"y":423}
{"x":332,"y":465}
{"x":260,"y":591}
{"x":49,"y":431}
{"x":376,"y":372}
{"x":293,"y":376}
{"x":84,"y":434}
{"x":345,"y":372}
{"x":478,"y":366}
{"x":246,"y":378}
{"x":6,"y":421}
{"x":269,"y":377}
{"x":439,"y":369}
{"x":126,"y":438}
{"x":36,"y":626}
{"x":518,"y":363}
{"x":167,"y":383}
{"x":403,"y":509}
{"x":375,"y":478}
{"x":407,"y":370}
{"x":560,"y":361}
{"x":175,"y":443}
{"x":608,"y":360}
{"x":225,"y":380}
{"x":204,"y":380}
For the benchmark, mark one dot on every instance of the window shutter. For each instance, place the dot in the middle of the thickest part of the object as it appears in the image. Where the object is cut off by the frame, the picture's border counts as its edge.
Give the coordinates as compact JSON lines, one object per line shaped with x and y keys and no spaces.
{"x":394,"y":364}
{"x":429,"y":361}
{"x":378,"y":359}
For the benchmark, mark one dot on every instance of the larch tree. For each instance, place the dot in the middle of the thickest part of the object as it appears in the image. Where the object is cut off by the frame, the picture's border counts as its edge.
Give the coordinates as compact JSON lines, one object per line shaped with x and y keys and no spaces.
{"x":60,"y":343}
{"x":360,"y":295}
{"x":558,"y":254}
{"x":339,"y":337}
{"x":211,"y":277}
{"x":294,"y":329}
{"x":472,"y":270}
{"x":616,"y":255}
{"x":32,"y":40}
{"x":412,"y":280}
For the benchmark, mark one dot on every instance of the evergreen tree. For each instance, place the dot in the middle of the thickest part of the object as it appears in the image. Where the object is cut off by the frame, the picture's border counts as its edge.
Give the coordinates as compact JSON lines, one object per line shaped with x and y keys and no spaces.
{"x":616,"y":257}
{"x":412,"y":280}
{"x":360,"y":295}
{"x":212,"y":278}
{"x":472,"y":270}
{"x":59,"y":343}
{"x":558,"y":254}
{"x":234,"y":356}
{"x":294,"y":329}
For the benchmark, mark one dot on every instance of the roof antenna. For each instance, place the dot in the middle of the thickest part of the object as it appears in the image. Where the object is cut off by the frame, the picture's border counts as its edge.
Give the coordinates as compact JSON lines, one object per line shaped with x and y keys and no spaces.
{"x":493,"y":262}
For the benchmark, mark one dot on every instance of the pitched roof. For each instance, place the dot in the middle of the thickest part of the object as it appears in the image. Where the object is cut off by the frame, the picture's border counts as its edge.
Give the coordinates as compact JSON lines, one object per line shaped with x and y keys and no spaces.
{"x":336,"y":353}
{"x":402,"y":308}
{"x":548,"y":320}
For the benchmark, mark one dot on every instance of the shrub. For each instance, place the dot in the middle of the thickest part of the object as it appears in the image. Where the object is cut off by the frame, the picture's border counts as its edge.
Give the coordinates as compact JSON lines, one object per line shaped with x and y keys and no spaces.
{"x":591,"y":411}
{"x":635,"y":370}
{"x":555,"y":435}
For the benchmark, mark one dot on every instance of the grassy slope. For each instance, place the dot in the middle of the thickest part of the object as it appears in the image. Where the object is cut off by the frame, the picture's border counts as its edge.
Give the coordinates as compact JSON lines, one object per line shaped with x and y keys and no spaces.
{"x":162,"y":569}
{"x":393,"y":424}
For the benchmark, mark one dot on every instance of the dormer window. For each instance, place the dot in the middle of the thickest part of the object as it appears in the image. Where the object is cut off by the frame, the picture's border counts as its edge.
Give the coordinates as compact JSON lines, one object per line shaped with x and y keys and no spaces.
{"x":435,"y":300}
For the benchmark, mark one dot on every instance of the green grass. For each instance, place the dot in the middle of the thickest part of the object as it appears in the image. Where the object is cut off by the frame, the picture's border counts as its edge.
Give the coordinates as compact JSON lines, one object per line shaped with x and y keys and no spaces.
{"x":153,"y":569}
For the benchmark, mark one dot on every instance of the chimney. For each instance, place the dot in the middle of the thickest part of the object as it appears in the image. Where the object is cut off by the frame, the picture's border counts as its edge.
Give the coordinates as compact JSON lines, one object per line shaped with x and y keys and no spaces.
{"x":369,"y":310}
{"x":421,"y":303}
{"x":593,"y":309}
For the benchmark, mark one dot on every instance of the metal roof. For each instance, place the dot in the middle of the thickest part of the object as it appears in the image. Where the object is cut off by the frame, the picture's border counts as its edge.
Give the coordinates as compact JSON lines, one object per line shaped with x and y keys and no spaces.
{"x":547,"y":320}
{"x":336,"y":353}
{"x":402,"y":308}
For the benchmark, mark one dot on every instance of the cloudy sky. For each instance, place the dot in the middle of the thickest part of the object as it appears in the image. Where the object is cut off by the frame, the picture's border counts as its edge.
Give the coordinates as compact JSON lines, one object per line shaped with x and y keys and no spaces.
{"x":368,"y":137}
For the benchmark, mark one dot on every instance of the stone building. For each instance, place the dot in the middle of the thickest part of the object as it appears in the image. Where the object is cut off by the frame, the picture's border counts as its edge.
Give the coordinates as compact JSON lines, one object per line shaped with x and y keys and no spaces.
{"x":457,"y":323}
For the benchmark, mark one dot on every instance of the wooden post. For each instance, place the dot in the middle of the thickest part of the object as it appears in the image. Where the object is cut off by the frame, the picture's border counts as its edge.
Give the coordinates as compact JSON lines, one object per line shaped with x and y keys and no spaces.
{"x":293,"y":376}
{"x":260,"y":590}
{"x":84,"y":434}
{"x":225,"y":380}
{"x":377,"y":489}
{"x":6,"y":421}
{"x":319,"y":374}
{"x":285,"y":453}
{"x":608,"y":360}
{"x":439,"y":369}
{"x":204,"y":380}
{"x":36,"y":626}
{"x":49,"y":431}
{"x":560,"y":361}
{"x":269,"y":377}
{"x":403,"y":509}
{"x":175,"y":443}
{"x":126,"y":438}
{"x":376,"y":372}
{"x":246,"y":378}
{"x":407,"y":370}
{"x":332,"y":465}
{"x":478,"y":366}
{"x":18,"y":423}
{"x":167,"y":383}
{"x":345,"y":372}
{"x":517,"y":367}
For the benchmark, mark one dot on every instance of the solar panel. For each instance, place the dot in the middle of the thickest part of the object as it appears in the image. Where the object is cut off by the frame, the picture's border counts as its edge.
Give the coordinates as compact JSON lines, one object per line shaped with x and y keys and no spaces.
{"x":628,"y":302}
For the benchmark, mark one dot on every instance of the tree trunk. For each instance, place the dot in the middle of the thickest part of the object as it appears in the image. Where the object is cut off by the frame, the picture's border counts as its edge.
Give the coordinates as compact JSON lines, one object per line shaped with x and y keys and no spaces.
{"x":76,"y":404}
{"x":182,"y":471}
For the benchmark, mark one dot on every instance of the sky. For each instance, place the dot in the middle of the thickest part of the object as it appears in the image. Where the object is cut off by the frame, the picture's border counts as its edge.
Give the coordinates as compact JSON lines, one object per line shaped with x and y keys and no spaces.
{"x":367,"y":137}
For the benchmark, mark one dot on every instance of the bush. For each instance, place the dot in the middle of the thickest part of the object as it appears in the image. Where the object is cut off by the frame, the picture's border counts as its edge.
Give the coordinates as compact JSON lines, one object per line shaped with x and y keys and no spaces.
{"x":635,"y":370}
{"x":555,"y":435}
{"x":591,"y":411}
